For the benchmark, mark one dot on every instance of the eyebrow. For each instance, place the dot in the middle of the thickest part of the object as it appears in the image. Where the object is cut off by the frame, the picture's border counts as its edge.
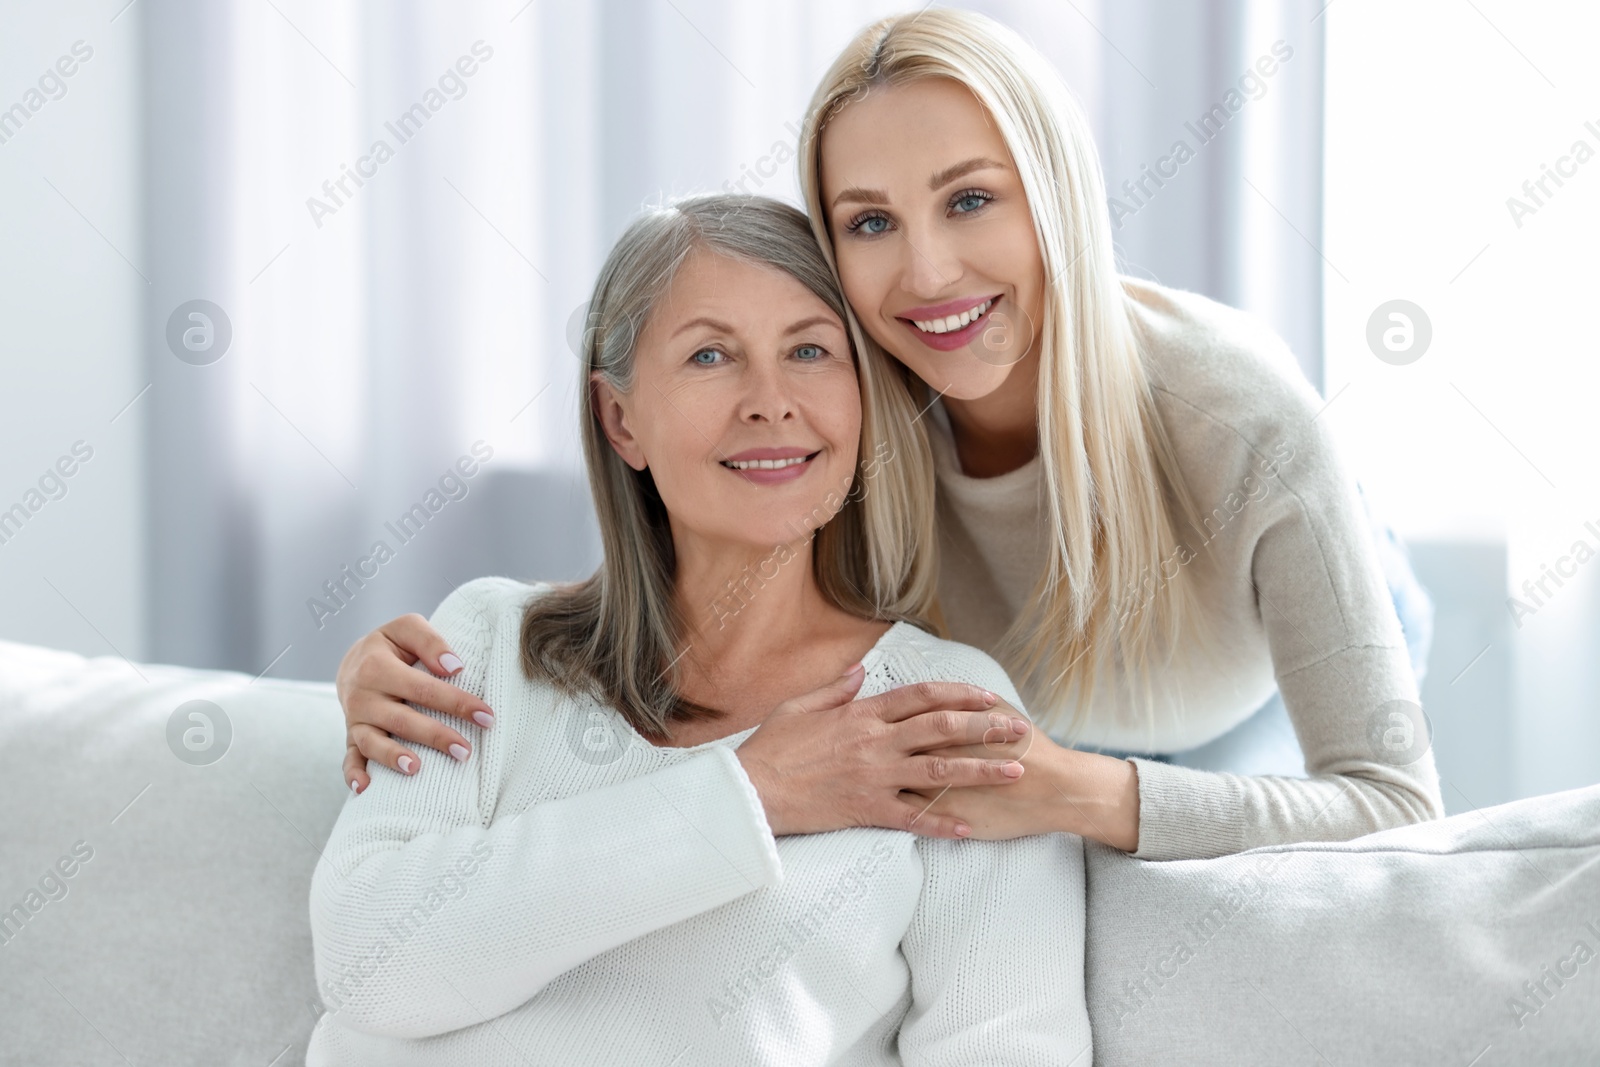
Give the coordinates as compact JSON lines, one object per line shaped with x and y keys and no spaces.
{"x":815,"y":320}
{"x":857,"y":195}
{"x":961,"y":170}
{"x":722,"y":327}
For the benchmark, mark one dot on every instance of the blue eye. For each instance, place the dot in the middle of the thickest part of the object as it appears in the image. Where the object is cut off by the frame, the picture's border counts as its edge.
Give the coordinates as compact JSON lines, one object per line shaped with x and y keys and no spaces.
{"x":715,"y":357}
{"x":872,"y":224}
{"x":810,"y":352}
{"x":968,"y":202}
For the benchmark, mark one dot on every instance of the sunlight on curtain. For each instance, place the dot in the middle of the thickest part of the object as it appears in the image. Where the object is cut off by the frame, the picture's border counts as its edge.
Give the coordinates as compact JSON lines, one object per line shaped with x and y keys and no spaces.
{"x":1464,"y":177}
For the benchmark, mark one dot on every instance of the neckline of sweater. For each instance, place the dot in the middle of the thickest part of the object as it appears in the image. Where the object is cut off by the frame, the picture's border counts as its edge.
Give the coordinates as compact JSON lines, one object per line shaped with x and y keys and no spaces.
{"x":947,"y":464}
{"x":870,"y":661}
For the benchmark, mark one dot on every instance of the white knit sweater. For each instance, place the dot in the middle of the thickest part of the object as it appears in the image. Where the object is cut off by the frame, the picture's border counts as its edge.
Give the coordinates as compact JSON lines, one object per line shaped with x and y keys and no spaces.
{"x":573,"y":894}
{"x":1290,"y":587}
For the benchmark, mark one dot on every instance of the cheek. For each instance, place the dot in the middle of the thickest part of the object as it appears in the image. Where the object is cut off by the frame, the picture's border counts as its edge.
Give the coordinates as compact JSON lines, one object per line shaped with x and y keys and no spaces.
{"x":841,"y":410}
{"x":863,"y":286}
{"x":1024,"y":257}
{"x":829,"y":394}
{"x":672,"y":444}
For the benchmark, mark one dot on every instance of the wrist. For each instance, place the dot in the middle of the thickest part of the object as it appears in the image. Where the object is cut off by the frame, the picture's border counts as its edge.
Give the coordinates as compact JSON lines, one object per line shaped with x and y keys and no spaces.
{"x":755,"y":772}
{"x":1099,"y":797}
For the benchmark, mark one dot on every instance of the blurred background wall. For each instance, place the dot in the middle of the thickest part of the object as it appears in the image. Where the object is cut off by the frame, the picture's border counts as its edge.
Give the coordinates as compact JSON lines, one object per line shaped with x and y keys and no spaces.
{"x":369,"y":319}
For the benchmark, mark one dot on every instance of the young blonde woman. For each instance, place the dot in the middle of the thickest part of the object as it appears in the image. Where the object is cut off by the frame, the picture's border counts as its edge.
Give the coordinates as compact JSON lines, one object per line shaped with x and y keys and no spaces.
{"x":564,"y":901}
{"x":1136,"y":507}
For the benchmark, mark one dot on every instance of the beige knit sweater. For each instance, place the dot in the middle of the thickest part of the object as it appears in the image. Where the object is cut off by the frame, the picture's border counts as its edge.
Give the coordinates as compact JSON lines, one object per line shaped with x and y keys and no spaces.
{"x":1291,"y":588}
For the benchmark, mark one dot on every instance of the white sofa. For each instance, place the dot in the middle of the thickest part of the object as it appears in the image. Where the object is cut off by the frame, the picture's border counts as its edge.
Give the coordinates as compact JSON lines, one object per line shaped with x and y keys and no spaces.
{"x":153,"y":902}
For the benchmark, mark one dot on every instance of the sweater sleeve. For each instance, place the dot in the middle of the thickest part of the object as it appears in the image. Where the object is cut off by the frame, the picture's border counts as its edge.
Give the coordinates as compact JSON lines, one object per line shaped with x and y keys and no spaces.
{"x":996,"y":955}
{"x":1339,"y":657}
{"x":996,"y":944}
{"x":434,"y":909}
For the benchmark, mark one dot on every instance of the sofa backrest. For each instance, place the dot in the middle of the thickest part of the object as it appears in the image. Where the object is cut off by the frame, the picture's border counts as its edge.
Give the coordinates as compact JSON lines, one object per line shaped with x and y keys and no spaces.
{"x":1469,"y":940}
{"x":152,"y":904}
{"x":163,"y":824}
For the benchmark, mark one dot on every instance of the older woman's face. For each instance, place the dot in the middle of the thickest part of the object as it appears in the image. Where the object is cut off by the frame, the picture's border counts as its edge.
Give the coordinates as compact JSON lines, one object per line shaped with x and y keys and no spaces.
{"x":931,"y":229}
{"x":745,"y":406}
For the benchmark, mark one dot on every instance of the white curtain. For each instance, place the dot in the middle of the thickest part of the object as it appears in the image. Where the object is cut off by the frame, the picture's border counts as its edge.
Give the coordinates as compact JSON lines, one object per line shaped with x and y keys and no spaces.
{"x":384,"y":328}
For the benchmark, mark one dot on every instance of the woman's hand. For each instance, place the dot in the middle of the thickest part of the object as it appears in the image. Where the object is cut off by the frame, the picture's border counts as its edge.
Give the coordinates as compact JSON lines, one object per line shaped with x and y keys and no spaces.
{"x":1083,"y":793}
{"x":826,"y":761}
{"x":375,"y":680}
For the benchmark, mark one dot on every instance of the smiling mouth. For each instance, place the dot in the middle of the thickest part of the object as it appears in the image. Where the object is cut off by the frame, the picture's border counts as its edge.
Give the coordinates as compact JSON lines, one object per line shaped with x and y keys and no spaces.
{"x":952,"y":323}
{"x":768,"y":464}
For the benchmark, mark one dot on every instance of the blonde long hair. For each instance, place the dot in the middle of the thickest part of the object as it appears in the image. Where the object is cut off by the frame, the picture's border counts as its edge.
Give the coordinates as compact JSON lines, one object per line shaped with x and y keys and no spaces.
{"x":1111,"y":480}
{"x":617,"y":635}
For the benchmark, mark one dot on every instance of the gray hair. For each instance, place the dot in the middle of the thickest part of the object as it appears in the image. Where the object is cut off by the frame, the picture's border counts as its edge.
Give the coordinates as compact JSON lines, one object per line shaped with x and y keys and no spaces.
{"x":616,"y":635}
{"x":650,"y":252}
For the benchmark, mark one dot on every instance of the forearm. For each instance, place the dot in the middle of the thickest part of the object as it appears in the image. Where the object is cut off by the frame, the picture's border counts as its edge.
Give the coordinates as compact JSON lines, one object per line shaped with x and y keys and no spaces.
{"x":1193,"y":814}
{"x":1368,"y":760}
{"x":1093,"y":796}
{"x":1358,"y":781}
{"x":423,"y":933}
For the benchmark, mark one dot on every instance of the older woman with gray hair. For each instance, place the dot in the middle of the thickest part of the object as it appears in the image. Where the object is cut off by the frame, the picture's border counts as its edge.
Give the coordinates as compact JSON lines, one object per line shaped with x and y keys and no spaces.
{"x":604,"y":882}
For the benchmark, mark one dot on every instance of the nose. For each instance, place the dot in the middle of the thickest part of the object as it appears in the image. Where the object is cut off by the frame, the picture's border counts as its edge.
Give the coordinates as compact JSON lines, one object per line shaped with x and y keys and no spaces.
{"x":768,"y":394}
{"x":930,"y":263}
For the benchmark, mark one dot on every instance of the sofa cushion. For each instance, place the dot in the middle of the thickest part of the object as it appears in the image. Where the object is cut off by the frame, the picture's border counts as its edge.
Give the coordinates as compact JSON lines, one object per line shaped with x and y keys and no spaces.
{"x":165,"y":918}
{"x":164,"y":913}
{"x":1469,"y":940}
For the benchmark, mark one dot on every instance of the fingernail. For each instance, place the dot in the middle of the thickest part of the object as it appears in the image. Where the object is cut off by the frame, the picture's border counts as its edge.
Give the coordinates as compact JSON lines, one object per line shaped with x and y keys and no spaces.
{"x":963,"y":830}
{"x":1012,"y":770}
{"x":1020,"y":725}
{"x":993,"y":698}
{"x":355,"y":787}
{"x":405,"y":764}
{"x":483,"y":718}
{"x":459,"y":752}
{"x":851,"y":670}
{"x":450,"y":662}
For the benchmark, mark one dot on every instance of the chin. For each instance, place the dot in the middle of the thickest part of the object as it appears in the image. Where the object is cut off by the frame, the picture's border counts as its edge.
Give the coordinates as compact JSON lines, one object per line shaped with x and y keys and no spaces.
{"x":974,"y":390}
{"x":966,"y":383}
{"x":771,"y":542}
{"x":958,"y":375}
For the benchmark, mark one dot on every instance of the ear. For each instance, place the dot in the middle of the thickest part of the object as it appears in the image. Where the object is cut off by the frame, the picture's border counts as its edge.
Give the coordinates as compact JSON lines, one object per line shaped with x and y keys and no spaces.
{"x":611,"y":409}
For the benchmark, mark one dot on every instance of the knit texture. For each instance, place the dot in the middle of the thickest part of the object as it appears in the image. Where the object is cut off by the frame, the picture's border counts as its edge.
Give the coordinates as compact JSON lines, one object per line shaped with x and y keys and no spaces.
{"x":573,"y":894}
{"x":1290,"y":582}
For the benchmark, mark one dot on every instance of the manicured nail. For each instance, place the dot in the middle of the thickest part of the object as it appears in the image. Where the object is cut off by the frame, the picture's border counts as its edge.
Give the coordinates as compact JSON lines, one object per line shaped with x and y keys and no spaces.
{"x":355,"y":787}
{"x":963,"y":830}
{"x":459,"y":752}
{"x":1020,"y":725}
{"x":450,"y":662}
{"x":1011,"y":770}
{"x":405,"y":764}
{"x":483,"y":718}
{"x":992,"y":698}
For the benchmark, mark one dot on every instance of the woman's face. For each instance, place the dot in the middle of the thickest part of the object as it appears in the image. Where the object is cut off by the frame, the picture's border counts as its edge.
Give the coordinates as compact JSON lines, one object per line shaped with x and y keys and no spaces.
{"x":745,"y":406}
{"x":933,"y":236}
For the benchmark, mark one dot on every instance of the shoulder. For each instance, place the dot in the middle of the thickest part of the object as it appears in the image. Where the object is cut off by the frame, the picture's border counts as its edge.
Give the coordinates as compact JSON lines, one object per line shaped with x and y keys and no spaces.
{"x":481,"y":621}
{"x":907,"y":655}
{"x":483,"y":606}
{"x":1217,"y":364}
{"x":1232,"y":399}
